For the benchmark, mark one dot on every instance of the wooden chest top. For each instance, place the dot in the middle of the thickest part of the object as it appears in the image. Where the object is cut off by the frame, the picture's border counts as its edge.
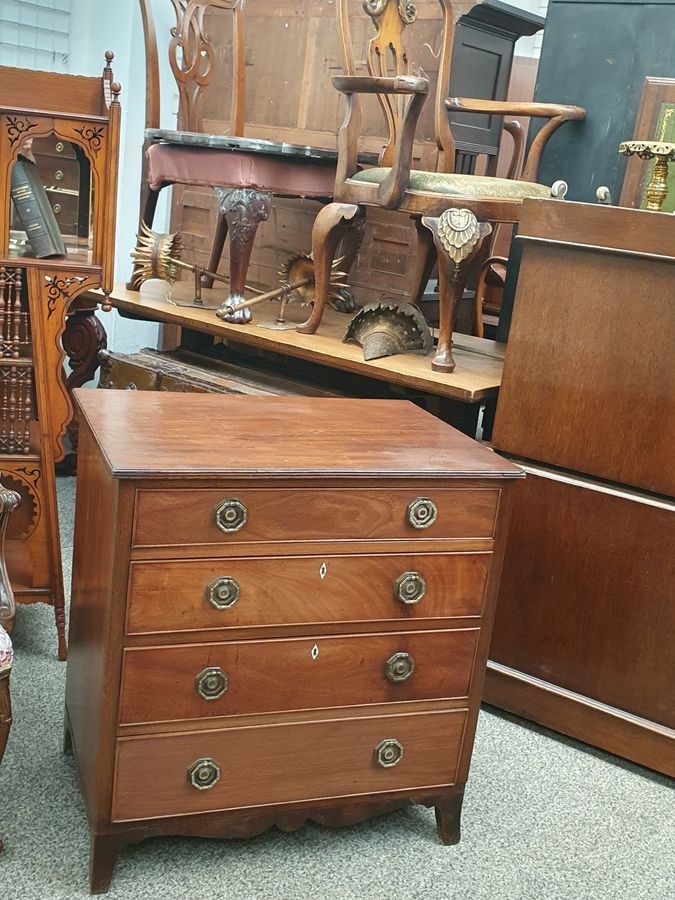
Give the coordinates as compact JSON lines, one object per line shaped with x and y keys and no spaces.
{"x":155,"y":435}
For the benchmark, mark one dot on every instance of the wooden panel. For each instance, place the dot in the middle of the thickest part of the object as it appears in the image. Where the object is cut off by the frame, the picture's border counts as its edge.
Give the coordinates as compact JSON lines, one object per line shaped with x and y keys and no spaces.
{"x":188,"y":517}
{"x":173,"y":596}
{"x":589,"y":383}
{"x":99,"y":565}
{"x":159,"y":683}
{"x":607,"y":727}
{"x":284,"y":763}
{"x":586,"y":599}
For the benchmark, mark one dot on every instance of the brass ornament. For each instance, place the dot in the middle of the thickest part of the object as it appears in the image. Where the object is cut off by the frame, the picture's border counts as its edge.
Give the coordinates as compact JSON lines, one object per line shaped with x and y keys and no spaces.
{"x":223,"y":593}
{"x":410,"y":588}
{"x":662,"y":153}
{"x":158,"y":255}
{"x":212,"y":683}
{"x":203,"y":774}
{"x":458,"y":232}
{"x":385,"y":329}
{"x":231,"y":516}
{"x":155,"y":256}
{"x":406,"y":10}
{"x":399,"y":667}
{"x":422,"y":513}
{"x":388,"y":753}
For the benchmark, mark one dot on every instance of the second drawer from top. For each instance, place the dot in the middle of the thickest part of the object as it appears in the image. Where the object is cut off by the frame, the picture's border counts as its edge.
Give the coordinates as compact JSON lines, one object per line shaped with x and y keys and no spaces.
{"x":191,"y":595}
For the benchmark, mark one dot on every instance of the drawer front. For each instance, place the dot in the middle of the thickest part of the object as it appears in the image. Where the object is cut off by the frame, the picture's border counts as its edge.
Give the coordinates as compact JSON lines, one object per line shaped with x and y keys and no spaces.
{"x":187,"y":517}
{"x":267,"y":764}
{"x":246,"y":677}
{"x":298,"y":590}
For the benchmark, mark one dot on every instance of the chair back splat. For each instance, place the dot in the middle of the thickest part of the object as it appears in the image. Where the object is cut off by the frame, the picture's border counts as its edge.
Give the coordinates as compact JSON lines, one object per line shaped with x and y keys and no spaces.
{"x":192,"y":58}
{"x":388,"y":57}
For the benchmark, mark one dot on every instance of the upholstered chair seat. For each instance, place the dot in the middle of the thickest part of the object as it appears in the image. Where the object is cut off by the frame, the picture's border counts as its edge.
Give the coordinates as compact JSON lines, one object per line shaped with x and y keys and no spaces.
{"x":206,"y":167}
{"x":473,"y":187}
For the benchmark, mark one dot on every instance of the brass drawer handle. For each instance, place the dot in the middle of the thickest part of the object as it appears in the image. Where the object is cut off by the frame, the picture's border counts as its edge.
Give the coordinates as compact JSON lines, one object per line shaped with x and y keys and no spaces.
{"x":399,"y":667}
{"x":410,"y":588}
{"x":231,"y":516}
{"x":422,"y":512}
{"x":204,"y":774}
{"x":211,"y":683}
{"x":223,"y":592}
{"x":389,"y":753}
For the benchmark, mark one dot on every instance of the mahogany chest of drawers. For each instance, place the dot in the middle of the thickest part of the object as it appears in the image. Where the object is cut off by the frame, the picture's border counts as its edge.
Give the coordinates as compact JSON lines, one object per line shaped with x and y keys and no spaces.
{"x":281,"y":611}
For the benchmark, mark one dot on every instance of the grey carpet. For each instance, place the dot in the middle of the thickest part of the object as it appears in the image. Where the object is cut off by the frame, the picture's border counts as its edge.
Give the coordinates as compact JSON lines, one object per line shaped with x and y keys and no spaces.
{"x":545,"y":818}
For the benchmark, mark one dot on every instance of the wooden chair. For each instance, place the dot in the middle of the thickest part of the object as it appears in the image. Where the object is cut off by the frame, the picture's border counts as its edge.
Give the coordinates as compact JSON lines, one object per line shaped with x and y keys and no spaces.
{"x":245,"y":173}
{"x":9,"y":501}
{"x":445,"y":206}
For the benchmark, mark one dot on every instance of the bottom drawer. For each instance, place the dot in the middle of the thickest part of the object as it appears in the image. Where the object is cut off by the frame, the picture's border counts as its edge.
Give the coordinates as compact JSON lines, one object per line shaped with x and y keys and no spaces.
{"x":265,"y":764}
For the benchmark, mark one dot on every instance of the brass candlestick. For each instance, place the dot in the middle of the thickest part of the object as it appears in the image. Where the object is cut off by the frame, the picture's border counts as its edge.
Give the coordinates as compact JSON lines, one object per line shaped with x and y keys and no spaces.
{"x":662,"y":153}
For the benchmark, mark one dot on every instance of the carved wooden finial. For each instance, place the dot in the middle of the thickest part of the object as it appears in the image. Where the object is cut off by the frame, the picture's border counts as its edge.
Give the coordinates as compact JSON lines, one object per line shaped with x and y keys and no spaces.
{"x":116,"y":89}
{"x":109,"y":56}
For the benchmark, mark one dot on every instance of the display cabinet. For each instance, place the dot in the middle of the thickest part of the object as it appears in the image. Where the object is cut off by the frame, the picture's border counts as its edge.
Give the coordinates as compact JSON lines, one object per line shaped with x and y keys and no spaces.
{"x":59,"y":142}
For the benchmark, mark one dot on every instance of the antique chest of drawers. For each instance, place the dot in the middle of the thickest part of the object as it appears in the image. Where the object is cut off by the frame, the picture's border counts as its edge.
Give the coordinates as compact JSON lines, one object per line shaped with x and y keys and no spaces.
{"x":281,"y":611}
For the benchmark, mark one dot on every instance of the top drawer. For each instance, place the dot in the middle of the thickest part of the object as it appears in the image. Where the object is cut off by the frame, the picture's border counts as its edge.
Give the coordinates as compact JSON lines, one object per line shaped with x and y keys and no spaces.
{"x":184,"y":517}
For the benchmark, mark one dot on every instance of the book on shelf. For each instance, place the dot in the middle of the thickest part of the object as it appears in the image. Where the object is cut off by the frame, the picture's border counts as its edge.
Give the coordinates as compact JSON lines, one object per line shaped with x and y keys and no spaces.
{"x":35,"y":211}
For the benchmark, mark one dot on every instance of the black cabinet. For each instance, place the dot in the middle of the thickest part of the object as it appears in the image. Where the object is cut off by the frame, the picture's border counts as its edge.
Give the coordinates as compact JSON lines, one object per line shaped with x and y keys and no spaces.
{"x":596,"y":54}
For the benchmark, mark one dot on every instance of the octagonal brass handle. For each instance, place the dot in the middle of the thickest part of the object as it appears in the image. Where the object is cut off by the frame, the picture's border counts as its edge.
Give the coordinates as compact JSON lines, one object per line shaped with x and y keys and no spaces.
{"x":399,"y":667}
{"x":410,"y":588}
{"x":231,"y":516}
{"x":422,"y":512}
{"x":211,"y":683}
{"x":389,"y":753}
{"x":204,"y":774}
{"x":223,"y":592}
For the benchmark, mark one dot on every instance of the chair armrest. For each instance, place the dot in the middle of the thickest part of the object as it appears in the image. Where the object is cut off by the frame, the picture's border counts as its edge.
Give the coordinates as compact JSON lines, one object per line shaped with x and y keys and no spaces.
{"x":371,"y":84}
{"x":9,"y":501}
{"x":516,"y":108}
{"x":556,"y":113}
{"x":391,"y":190}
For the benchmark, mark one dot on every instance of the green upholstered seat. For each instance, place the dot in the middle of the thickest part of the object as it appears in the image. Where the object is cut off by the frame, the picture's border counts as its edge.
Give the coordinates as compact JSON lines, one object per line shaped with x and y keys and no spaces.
{"x":477,"y":187}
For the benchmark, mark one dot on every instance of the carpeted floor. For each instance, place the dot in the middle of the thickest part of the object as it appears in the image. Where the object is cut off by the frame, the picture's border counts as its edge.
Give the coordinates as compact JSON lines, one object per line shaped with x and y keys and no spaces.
{"x":544,"y":818}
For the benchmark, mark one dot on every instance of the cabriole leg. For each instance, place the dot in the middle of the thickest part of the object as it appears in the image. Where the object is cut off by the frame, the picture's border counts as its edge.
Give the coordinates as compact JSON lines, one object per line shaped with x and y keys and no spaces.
{"x":244,"y":209}
{"x":330,"y":225}
{"x":458,"y":237}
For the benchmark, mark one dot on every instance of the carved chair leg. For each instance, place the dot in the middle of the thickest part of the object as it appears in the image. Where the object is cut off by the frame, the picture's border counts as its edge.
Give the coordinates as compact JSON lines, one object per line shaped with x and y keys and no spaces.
{"x":217,"y":247}
{"x":148,"y":207}
{"x":102,"y":859}
{"x":5,"y":719}
{"x":425,"y":260}
{"x":329,"y":227}
{"x":5,"y":713}
{"x":458,"y":237}
{"x":449,"y":817}
{"x":348,"y":251}
{"x":244,"y":209}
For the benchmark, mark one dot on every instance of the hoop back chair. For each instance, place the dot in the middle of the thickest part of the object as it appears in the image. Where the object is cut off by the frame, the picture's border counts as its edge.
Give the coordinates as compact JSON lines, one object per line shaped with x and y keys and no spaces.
{"x":452,"y":212}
